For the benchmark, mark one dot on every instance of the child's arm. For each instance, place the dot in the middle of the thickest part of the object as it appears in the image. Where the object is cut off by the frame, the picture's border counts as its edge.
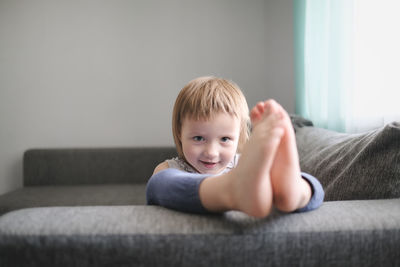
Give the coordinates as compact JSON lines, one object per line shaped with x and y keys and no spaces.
{"x":175,"y":189}
{"x":160,"y":167}
{"x":179,"y":190}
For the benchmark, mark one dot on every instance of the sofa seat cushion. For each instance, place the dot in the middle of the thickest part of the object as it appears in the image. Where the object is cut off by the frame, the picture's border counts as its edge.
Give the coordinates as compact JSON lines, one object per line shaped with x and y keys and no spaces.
{"x":339,"y":233}
{"x":75,"y":195}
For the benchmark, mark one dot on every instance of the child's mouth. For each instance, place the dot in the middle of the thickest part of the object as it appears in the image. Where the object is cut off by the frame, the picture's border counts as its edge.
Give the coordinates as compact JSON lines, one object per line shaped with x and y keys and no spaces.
{"x":208,"y":165}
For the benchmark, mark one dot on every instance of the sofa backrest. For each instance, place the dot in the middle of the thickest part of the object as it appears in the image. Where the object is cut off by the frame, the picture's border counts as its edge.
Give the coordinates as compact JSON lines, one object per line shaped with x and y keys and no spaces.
{"x":75,"y":166}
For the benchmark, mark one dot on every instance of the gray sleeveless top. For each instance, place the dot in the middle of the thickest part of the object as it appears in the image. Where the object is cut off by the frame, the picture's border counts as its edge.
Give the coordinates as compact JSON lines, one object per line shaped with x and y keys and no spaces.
{"x":181,"y":164}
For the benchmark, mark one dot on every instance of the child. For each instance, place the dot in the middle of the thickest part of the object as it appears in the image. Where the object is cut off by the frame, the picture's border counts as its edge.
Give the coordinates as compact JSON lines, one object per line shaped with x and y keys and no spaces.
{"x":211,"y":132}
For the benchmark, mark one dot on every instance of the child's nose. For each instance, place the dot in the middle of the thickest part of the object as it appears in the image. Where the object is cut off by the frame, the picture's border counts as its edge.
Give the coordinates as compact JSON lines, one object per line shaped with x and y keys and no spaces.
{"x":211,"y":150}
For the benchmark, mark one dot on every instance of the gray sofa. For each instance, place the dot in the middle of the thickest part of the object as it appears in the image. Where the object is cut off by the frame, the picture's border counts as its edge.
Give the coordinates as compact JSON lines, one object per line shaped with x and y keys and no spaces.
{"x":86,"y":207}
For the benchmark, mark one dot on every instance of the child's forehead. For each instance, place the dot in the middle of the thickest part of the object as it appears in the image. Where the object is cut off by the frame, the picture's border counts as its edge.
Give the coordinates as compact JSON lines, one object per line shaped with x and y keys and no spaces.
{"x":208,"y":117}
{"x":222,"y":123}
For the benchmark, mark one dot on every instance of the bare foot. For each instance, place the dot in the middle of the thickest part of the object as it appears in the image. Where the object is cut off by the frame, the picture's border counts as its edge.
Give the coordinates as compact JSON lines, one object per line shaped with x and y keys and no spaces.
{"x":247,"y":187}
{"x":268,"y":172}
{"x":290,"y":191}
{"x":253,"y":190}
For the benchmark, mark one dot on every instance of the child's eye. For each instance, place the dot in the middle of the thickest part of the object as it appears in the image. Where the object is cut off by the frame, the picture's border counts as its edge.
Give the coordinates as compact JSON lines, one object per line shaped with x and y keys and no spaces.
{"x":225,"y":139}
{"x":198,"y":138}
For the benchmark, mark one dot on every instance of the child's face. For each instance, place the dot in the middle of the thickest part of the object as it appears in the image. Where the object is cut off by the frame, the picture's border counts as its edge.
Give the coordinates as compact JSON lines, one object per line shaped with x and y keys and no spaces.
{"x":209,"y":145}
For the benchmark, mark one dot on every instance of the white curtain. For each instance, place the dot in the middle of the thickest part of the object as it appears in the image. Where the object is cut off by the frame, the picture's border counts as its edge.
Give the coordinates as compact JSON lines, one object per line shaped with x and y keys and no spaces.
{"x":348,"y":62}
{"x":376,"y":92}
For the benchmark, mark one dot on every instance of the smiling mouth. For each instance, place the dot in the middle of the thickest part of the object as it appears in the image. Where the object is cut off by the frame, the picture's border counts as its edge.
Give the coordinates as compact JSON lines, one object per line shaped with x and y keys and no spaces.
{"x":208,"y":164}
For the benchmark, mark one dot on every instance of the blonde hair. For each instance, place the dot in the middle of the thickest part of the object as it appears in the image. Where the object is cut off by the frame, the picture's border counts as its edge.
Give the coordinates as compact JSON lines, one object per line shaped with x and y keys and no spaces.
{"x":204,"y":97}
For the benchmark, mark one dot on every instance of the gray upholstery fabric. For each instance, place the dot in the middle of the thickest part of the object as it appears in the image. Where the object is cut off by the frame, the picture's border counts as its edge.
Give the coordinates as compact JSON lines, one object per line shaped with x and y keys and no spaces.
{"x":340,"y":233}
{"x":352,"y":166}
{"x":85,"y":177}
{"x":92,"y":165}
{"x":84,"y":195}
{"x":346,"y":233}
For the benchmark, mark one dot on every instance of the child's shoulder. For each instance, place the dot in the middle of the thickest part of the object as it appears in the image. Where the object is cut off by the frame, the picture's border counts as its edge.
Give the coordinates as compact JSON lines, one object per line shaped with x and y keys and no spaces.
{"x":180,"y":164}
{"x":175,"y":163}
{"x":160,"y":167}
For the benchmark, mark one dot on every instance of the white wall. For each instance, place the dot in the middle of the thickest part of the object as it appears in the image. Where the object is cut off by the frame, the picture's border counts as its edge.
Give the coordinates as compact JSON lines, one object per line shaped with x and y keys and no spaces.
{"x":106,"y":73}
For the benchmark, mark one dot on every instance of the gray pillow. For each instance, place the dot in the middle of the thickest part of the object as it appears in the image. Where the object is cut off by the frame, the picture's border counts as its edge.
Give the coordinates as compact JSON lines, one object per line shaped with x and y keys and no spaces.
{"x":351,"y":166}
